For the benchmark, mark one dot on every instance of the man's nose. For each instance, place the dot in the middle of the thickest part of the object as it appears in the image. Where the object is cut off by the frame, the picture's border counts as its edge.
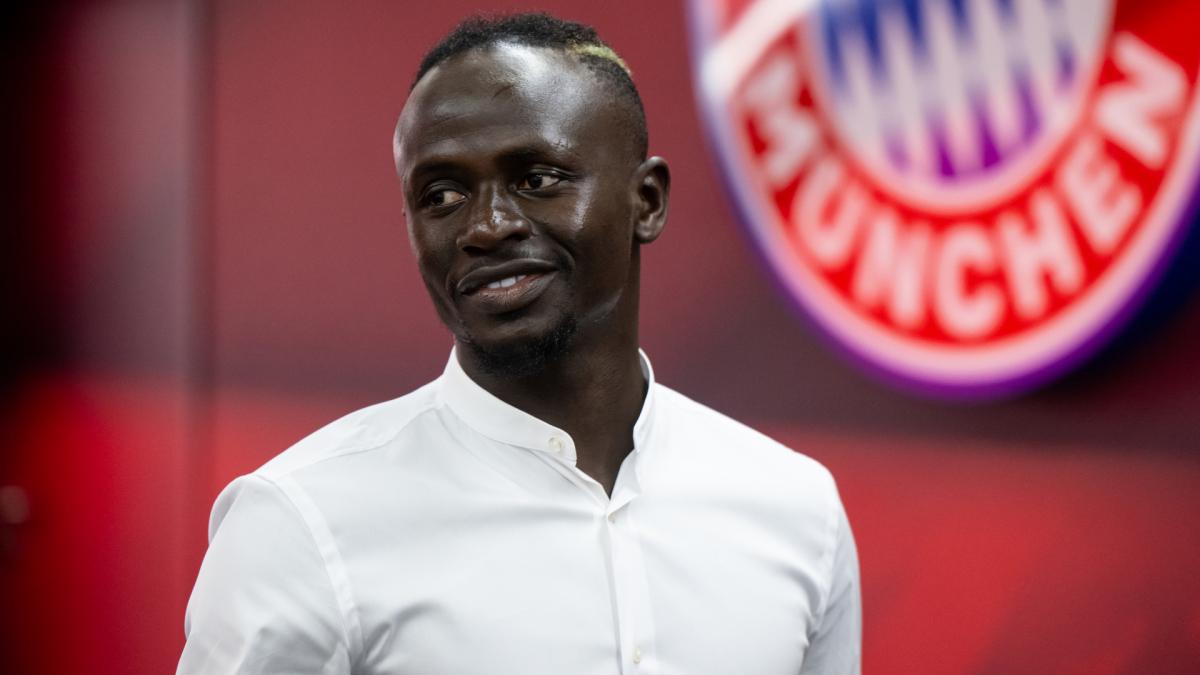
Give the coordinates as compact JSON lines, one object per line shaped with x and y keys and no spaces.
{"x":494,"y":218}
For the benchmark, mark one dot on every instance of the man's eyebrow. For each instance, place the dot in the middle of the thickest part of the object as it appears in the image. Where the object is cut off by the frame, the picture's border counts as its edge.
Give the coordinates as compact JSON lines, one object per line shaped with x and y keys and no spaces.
{"x":435,"y":165}
{"x":515,"y":156}
{"x":531,"y":153}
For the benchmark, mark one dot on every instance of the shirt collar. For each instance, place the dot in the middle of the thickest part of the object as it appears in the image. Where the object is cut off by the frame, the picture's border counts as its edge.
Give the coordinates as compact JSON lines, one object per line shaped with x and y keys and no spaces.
{"x":505,"y":423}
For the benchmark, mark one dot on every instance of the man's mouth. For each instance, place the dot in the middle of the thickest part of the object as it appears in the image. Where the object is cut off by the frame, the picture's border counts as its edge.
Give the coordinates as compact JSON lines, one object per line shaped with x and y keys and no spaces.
{"x":506,"y":287}
{"x":509,"y":294}
{"x":503,"y":275}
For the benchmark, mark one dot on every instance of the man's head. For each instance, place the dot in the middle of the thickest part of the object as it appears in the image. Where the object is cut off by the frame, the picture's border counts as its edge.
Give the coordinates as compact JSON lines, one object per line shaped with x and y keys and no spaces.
{"x":521,"y":151}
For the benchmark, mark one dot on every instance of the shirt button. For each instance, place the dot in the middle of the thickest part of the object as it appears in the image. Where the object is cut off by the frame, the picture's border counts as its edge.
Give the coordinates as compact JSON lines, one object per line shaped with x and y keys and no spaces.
{"x":637,"y":654}
{"x":612,"y":517}
{"x":556,"y":444}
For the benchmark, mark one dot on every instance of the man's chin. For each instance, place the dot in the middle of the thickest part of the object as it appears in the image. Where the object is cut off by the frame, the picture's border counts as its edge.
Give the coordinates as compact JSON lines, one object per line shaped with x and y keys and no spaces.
{"x":523,"y":355}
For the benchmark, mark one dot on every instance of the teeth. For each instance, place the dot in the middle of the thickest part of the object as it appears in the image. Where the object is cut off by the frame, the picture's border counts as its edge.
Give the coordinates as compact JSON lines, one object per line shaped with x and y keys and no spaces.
{"x":505,"y":283}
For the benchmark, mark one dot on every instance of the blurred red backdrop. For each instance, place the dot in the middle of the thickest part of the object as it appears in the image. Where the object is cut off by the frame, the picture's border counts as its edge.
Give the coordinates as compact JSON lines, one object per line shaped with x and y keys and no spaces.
{"x":207,"y":260}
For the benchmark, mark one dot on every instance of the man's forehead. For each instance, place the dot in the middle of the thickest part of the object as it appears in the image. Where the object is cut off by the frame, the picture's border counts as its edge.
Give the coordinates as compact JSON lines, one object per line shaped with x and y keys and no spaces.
{"x":493,"y":72}
{"x":533,"y":81}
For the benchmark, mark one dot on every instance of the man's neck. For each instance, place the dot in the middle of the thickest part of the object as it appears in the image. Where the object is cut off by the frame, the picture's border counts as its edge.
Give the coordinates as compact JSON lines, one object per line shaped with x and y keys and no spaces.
{"x":595,"y":395}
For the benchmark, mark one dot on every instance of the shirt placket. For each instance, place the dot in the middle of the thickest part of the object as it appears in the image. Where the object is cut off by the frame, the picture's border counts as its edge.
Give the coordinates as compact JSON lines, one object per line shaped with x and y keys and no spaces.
{"x":625,"y":565}
{"x":630,"y":591}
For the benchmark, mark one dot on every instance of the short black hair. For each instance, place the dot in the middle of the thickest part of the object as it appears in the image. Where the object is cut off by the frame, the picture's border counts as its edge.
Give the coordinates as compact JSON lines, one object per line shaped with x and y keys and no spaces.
{"x":538,"y":29}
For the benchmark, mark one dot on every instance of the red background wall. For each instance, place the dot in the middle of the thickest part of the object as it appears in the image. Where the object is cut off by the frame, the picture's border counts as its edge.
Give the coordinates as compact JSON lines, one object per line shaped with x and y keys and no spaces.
{"x":208,"y":260}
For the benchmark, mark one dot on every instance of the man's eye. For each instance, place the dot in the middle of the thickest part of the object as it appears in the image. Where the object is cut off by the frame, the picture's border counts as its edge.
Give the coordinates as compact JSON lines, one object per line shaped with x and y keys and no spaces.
{"x":445,"y":197}
{"x":537,"y":181}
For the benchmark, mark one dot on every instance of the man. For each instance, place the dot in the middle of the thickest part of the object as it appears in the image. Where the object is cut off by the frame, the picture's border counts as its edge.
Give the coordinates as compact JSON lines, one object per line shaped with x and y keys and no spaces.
{"x":544,"y":507}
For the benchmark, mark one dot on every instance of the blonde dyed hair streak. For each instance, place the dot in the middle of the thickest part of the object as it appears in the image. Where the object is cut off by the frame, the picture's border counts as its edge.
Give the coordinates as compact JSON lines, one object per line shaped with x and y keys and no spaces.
{"x":600,"y":51}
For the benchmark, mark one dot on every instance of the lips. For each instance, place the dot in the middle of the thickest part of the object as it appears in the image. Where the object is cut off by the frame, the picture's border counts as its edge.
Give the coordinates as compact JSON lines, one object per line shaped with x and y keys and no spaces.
{"x":506,"y":287}
{"x":502,"y":275}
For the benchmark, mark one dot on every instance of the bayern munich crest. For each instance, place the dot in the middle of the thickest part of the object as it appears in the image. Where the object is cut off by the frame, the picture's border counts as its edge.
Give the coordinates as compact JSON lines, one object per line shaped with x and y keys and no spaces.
{"x":970,"y":196}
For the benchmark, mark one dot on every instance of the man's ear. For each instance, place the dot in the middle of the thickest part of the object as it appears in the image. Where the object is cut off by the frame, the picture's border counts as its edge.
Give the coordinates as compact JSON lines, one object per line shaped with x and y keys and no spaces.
{"x":652,"y":181}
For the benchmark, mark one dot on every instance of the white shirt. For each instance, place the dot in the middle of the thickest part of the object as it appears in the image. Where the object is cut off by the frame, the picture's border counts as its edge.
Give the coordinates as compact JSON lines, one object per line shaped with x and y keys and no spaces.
{"x":447,"y":532}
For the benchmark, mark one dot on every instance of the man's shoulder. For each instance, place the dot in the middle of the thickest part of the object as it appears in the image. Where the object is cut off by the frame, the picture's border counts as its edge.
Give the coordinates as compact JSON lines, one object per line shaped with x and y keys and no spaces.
{"x":730,"y":445}
{"x":363,"y":430}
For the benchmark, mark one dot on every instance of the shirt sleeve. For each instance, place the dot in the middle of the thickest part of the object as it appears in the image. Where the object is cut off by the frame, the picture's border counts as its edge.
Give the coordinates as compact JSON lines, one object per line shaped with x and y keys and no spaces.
{"x":836,"y":645}
{"x":263,"y":601}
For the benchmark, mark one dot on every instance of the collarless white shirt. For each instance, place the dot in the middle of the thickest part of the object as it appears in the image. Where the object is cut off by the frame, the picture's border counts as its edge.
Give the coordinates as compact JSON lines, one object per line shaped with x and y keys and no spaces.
{"x":447,"y":532}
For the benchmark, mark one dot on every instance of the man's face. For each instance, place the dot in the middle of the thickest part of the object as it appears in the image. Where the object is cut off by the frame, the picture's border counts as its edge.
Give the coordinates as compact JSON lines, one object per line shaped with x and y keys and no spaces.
{"x":522,"y":195}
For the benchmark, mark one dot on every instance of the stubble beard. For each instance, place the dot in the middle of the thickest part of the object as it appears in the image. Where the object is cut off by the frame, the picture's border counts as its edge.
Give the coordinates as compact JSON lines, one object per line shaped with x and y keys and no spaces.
{"x":526,"y":357}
